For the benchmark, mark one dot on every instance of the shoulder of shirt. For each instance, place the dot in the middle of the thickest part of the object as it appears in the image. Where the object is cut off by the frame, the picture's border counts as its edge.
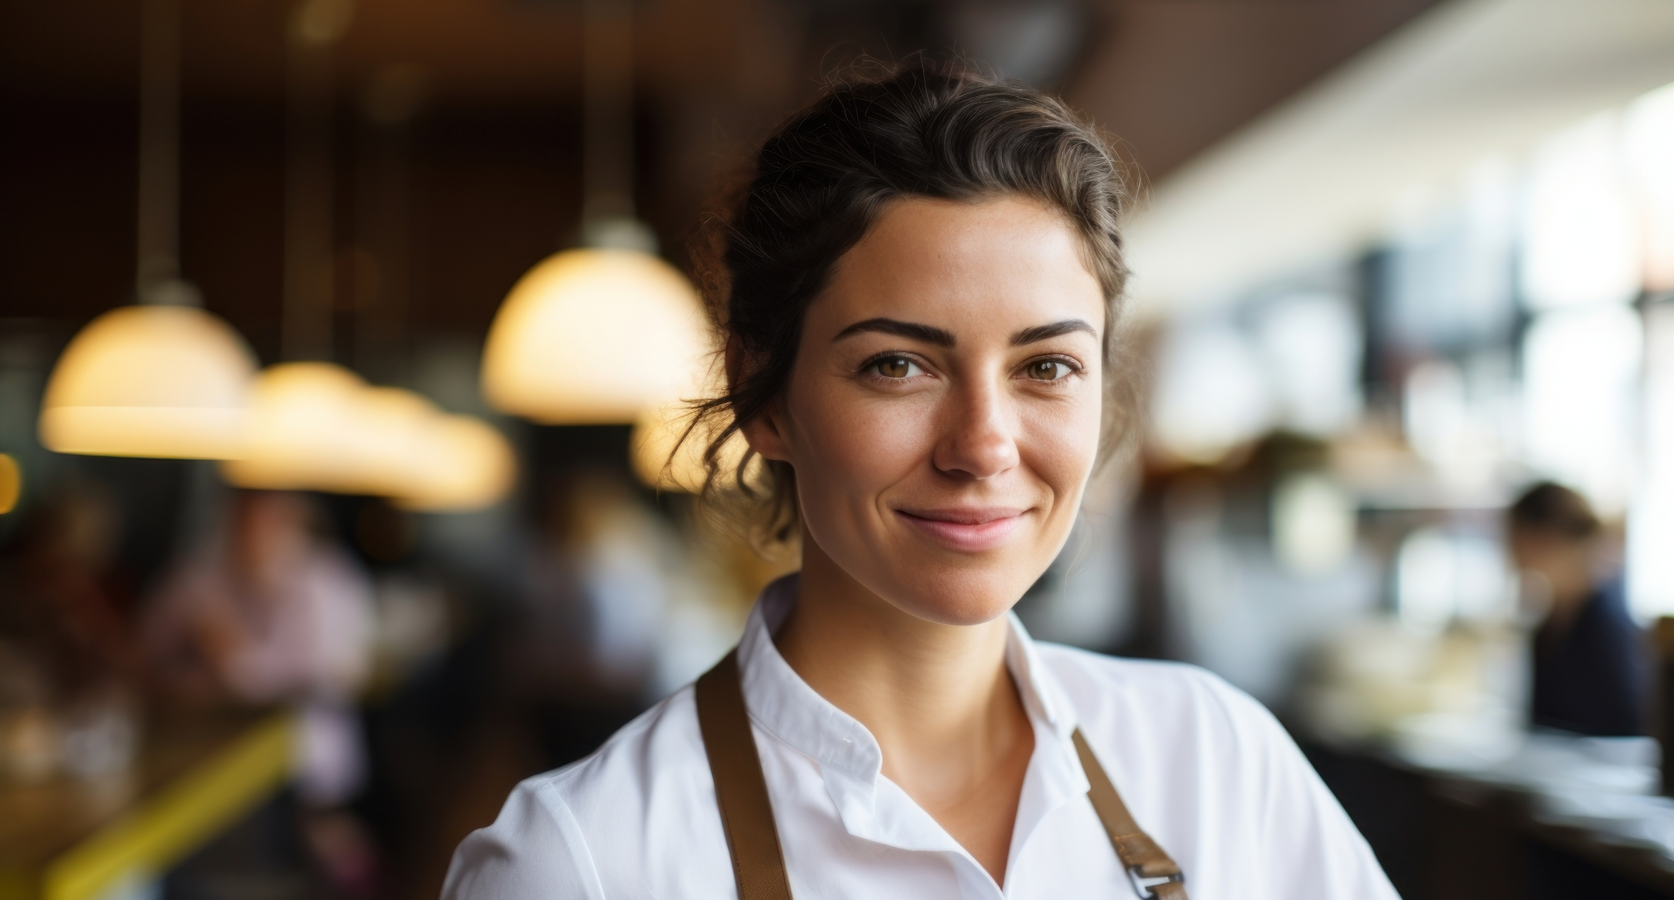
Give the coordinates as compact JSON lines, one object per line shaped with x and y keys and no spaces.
{"x":661,"y":744}
{"x":1101,"y":688}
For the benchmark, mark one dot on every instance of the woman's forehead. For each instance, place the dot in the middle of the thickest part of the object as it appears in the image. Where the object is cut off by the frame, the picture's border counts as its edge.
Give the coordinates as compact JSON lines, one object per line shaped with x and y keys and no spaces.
{"x":999,"y":264}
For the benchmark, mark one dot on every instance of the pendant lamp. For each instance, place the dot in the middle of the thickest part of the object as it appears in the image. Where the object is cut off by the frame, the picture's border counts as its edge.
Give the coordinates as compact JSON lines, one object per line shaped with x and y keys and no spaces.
{"x":303,"y":419}
{"x":315,"y":425}
{"x":603,"y":333}
{"x":427,"y":461}
{"x":318,"y":426}
{"x":305,"y":413}
{"x":159,"y":381}
{"x":594,"y":336}
{"x":468,"y":466}
{"x":162,"y":378}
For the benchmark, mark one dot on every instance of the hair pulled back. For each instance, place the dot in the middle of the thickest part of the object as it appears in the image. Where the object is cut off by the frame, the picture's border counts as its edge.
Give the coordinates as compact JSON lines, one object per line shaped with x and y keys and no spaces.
{"x":878,"y":134}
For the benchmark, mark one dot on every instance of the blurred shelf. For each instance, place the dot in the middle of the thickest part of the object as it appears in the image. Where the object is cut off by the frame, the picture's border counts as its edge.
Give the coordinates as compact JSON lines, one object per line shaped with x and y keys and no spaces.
{"x":1422,"y":490}
{"x":70,"y":840}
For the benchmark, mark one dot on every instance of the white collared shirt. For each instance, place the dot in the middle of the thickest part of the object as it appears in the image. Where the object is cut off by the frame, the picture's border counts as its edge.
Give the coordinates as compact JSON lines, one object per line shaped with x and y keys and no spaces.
{"x":1204,"y":769}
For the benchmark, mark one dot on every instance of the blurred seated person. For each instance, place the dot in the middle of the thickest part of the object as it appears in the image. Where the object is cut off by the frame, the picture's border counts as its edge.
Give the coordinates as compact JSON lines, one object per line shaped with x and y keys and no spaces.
{"x":68,"y":662}
{"x":267,"y":613}
{"x":1590,"y":671}
{"x":59,"y":606}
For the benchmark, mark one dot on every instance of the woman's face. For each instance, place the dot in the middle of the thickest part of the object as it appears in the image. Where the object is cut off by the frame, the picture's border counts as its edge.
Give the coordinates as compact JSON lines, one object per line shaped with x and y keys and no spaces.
{"x":943,"y":414}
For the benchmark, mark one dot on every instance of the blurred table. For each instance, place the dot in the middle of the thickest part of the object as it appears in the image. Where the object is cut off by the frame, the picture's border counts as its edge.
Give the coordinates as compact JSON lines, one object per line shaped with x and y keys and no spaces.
{"x":70,"y":840}
{"x":1564,"y":817}
{"x":1524,"y":814}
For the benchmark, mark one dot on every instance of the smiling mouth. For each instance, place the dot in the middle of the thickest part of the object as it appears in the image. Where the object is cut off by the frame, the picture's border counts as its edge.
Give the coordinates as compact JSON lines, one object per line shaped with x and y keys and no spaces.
{"x":966,"y":529}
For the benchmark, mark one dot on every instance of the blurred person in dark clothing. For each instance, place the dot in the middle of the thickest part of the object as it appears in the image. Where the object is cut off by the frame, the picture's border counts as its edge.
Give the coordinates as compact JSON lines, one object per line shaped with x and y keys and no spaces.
{"x":58,"y":605}
{"x":67,"y":659}
{"x":1590,"y":667}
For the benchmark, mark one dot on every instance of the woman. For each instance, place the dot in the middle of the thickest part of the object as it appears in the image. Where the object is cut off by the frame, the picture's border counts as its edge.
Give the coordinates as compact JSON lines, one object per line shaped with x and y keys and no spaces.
{"x":922,"y":287}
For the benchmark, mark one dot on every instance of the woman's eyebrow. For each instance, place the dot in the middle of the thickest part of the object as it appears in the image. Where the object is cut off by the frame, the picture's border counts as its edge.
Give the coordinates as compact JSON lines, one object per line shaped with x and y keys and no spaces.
{"x":1044,"y":332}
{"x":926,"y":333}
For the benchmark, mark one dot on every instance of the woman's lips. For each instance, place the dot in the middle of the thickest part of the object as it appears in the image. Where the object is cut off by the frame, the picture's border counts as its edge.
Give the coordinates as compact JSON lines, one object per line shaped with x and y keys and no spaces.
{"x":967,"y":529}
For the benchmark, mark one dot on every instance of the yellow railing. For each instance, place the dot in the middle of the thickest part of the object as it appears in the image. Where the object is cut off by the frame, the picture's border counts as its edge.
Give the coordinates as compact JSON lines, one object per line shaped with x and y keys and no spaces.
{"x":168,"y":826}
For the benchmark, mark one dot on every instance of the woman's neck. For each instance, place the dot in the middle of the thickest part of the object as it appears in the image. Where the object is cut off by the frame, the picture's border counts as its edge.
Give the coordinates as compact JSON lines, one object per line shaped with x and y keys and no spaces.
{"x":937,"y":698}
{"x":908,"y":680}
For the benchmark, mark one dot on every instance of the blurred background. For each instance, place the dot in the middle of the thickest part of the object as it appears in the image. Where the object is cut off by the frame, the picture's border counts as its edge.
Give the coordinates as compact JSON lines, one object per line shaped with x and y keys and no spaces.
{"x":341,"y":344}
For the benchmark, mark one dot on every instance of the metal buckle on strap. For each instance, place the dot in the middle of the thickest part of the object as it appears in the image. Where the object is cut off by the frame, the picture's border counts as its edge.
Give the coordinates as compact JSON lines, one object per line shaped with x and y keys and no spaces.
{"x":1143,"y":884}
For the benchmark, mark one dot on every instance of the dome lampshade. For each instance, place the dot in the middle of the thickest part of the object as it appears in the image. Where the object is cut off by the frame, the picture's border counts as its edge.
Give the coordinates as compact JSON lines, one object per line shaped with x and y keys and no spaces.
{"x":594,"y":336}
{"x":150,"y":380}
{"x":468,"y":465}
{"x":304,"y":430}
{"x":394,"y":438}
{"x":319,"y":427}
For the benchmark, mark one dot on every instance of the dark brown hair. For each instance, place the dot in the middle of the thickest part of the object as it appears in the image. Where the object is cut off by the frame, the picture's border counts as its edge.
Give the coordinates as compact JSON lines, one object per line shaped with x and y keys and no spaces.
{"x":877,"y":134}
{"x":1550,"y":508}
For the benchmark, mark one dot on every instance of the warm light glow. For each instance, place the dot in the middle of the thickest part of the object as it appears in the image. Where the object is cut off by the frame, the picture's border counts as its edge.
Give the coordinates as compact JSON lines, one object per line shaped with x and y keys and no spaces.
{"x":305,"y":421}
{"x":594,"y":336}
{"x":160,"y":381}
{"x":394,"y":437}
{"x":11,"y":484}
{"x":318,"y":426}
{"x":469,"y":465}
{"x":660,"y":464}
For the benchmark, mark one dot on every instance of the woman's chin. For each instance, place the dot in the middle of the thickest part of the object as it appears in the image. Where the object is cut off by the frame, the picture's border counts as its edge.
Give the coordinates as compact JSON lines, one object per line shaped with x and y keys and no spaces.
{"x":958,"y":601}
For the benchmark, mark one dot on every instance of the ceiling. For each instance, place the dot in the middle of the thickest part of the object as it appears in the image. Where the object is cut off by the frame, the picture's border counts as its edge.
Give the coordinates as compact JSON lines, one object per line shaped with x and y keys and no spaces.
{"x":1168,"y":76}
{"x":496,"y":181}
{"x":1321,"y":175}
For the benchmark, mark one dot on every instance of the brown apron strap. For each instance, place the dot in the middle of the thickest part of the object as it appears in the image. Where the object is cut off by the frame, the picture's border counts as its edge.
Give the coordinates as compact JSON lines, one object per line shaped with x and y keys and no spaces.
{"x":753,"y":838}
{"x":740,"y":789}
{"x":1152,"y":871}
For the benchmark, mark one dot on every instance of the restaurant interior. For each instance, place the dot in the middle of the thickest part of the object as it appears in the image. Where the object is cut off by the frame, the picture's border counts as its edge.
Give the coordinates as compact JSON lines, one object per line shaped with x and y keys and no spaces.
{"x":346,"y":345}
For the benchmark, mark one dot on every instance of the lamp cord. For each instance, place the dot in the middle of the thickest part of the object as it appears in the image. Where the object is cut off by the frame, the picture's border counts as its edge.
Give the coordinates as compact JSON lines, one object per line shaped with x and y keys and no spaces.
{"x":158,"y":231}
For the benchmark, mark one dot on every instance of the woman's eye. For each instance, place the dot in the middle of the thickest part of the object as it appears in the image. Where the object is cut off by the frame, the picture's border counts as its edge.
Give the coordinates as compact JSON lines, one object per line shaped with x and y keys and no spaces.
{"x":1047,"y":370}
{"x":895,"y":367}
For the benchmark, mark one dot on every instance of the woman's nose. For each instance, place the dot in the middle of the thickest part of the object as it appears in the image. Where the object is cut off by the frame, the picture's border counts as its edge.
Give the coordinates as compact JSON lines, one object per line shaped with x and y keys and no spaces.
{"x":978,"y":438}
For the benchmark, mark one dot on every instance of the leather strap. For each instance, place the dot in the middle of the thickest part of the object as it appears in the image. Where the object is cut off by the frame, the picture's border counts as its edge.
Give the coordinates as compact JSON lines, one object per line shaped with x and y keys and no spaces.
{"x":1152,"y":871}
{"x":758,"y":862}
{"x":740,"y":788}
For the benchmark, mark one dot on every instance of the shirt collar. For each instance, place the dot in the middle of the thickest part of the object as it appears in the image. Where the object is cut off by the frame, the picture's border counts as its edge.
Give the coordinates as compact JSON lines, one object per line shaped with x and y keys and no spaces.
{"x":782,"y":704}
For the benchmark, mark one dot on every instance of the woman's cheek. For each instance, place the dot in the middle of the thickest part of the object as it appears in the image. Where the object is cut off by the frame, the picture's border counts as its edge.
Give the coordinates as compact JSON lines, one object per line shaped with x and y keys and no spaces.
{"x":871,"y":441}
{"x":1063,"y":441}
